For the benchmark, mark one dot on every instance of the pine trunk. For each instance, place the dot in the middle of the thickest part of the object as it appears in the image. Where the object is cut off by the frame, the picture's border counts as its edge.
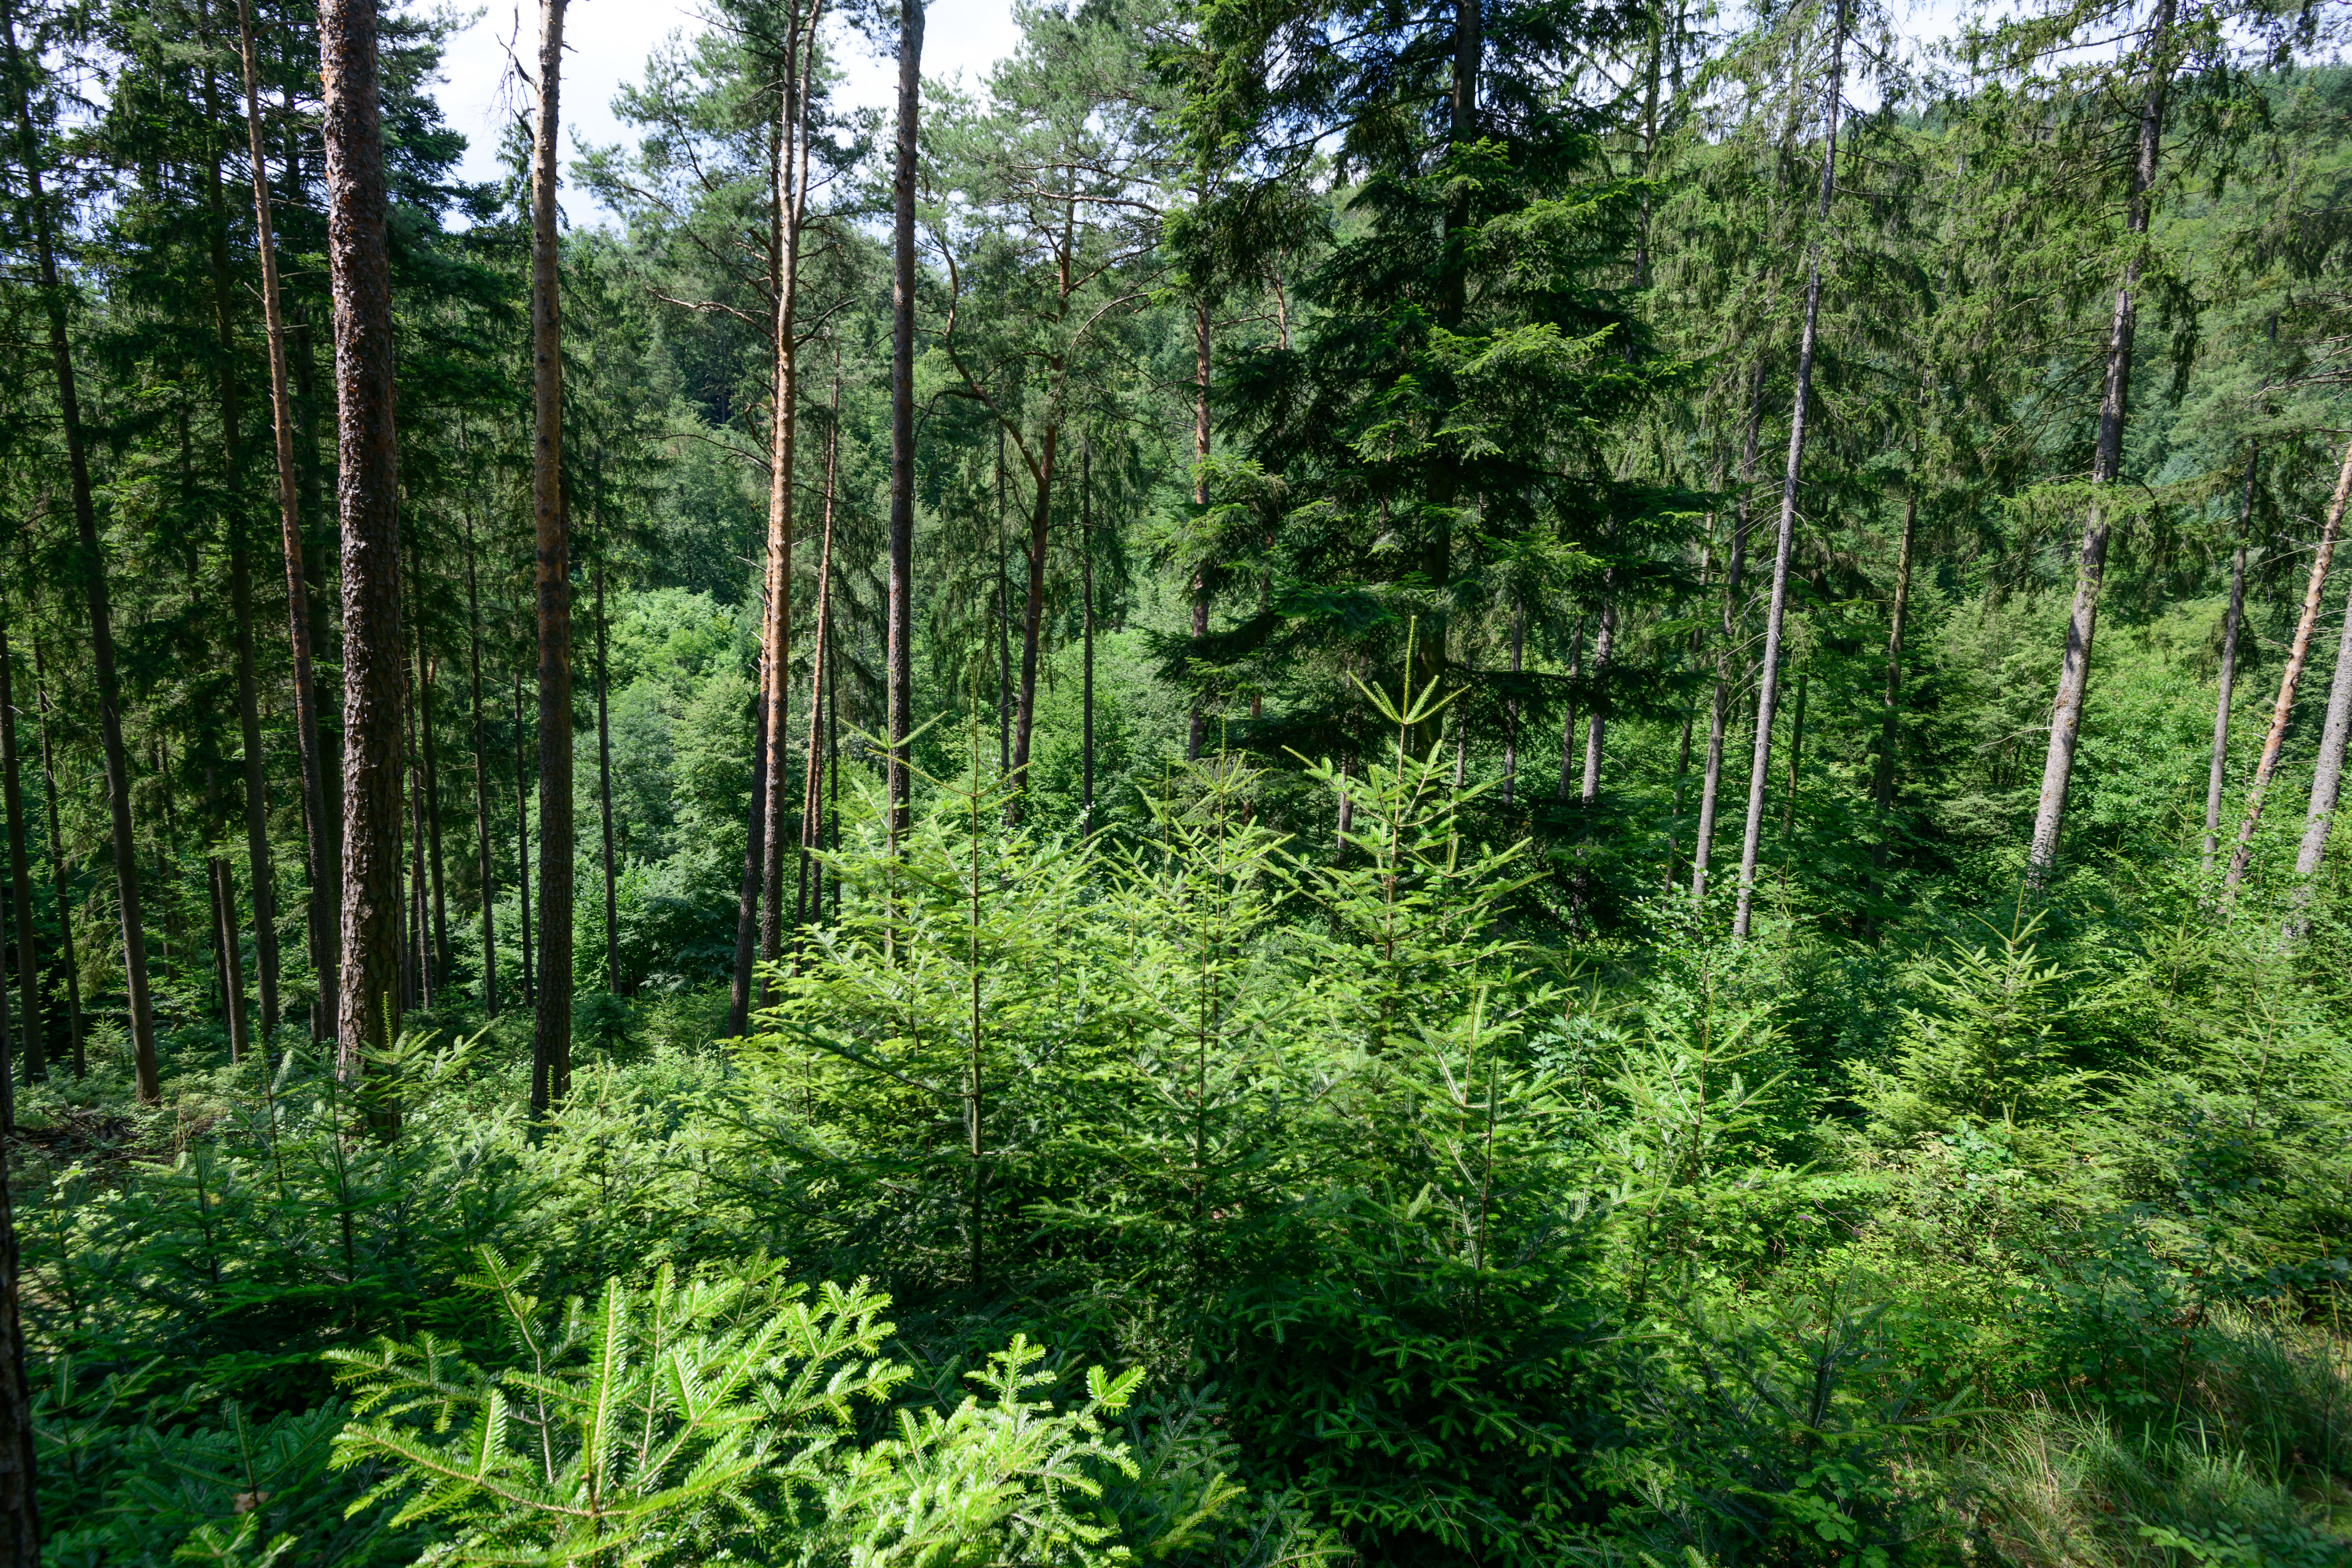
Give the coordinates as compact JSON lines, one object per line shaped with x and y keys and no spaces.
{"x":58,"y":879}
{"x":20,"y":879}
{"x":811,"y":775}
{"x":324,"y":878}
{"x":1768,"y":670}
{"x":2298,"y":654}
{"x":605,"y":799}
{"x":551,"y":546}
{"x":1719,"y":722}
{"x":481,"y":783}
{"x":2218,"y":767}
{"x":92,"y":564}
{"x":2106,"y":466}
{"x":899,"y":655}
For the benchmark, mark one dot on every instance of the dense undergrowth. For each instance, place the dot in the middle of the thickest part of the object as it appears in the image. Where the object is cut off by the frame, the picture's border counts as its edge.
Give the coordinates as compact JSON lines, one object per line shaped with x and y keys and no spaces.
{"x":1200,"y":1197}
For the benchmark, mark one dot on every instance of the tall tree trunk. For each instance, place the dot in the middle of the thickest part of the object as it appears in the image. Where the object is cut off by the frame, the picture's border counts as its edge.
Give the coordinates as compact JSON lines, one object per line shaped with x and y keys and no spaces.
{"x":522,"y":849}
{"x":1796,"y":762}
{"x":57,"y":877}
{"x":783,"y":430}
{"x":2327,"y":773}
{"x":1086,"y":637}
{"x":1891,"y":703}
{"x":2298,"y":654}
{"x":1768,"y":671}
{"x":20,"y":1511}
{"x":2106,"y":466}
{"x":324,"y":876}
{"x":92,"y":566}
{"x":604,"y":798}
{"x":1033,"y":615}
{"x":481,"y":783}
{"x":20,"y":879}
{"x":898,"y":657}
{"x":428,"y":801}
{"x":1004,"y":627}
{"x":1719,"y":716}
{"x":261,"y":873}
{"x":551,"y":532}
{"x":812,"y":775}
{"x":2218,"y":767}
{"x":1196,"y":733}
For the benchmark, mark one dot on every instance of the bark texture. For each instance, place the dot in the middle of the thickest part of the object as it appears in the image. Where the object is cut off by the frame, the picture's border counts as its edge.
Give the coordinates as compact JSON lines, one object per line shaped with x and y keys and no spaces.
{"x":367,"y":497}
{"x":899,"y":655}
{"x":552,"y":557}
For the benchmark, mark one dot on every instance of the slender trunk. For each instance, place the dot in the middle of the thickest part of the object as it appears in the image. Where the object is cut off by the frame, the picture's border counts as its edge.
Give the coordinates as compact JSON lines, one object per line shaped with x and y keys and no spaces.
{"x":221,"y":883}
{"x":481,"y":783}
{"x":899,"y":657}
{"x":812,"y":777}
{"x":260,"y":871}
{"x":1004,"y":627}
{"x":20,"y":1512}
{"x":428,"y":803}
{"x":2217,"y":767}
{"x":2298,"y":654}
{"x":1690,"y":714}
{"x":746,"y":910}
{"x":1033,"y":615}
{"x":324,"y":876}
{"x":522,"y":849}
{"x":1604,"y":646}
{"x":1568,"y":721}
{"x":57,"y":877}
{"x":551,"y":1026}
{"x":1891,"y":703}
{"x":1086,"y":636}
{"x":1511,"y":709}
{"x":784,"y":431}
{"x":605,"y":799}
{"x":1796,"y":761}
{"x":1720,"y":715}
{"x":92,"y":568}
{"x":416,"y":971}
{"x":1197,"y":732}
{"x":2328,"y":774}
{"x":1768,"y":671}
{"x":2106,"y":466}
{"x":20,"y":879}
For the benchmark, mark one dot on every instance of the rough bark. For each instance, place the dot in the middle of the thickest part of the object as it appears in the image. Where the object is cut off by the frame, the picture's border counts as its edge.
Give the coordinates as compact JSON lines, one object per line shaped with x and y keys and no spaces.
{"x":2106,"y":466}
{"x":604,"y":800}
{"x":367,"y":500}
{"x":552,"y":551}
{"x":20,"y":879}
{"x":2298,"y":654}
{"x":2218,"y":767}
{"x":1768,"y":670}
{"x":1720,"y":714}
{"x":92,"y":568}
{"x":899,"y":656}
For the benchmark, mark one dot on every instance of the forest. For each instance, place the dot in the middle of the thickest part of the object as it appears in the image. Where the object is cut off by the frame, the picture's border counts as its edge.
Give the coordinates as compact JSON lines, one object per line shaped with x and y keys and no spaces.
{"x":1499,"y":784}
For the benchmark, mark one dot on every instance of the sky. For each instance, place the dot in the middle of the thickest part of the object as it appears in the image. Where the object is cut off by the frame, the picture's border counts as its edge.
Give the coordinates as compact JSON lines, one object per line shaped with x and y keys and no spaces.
{"x":607,"y":43}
